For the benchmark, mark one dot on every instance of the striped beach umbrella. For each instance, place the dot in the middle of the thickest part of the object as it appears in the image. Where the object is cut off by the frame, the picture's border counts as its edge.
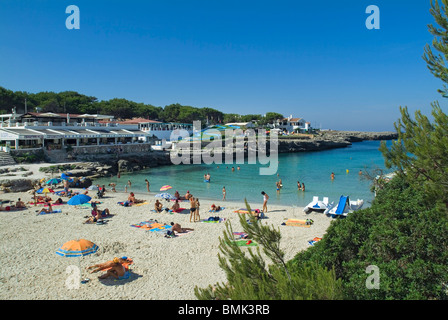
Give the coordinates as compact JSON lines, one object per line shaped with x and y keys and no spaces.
{"x":77,"y":248}
{"x":166,"y":187}
{"x":45,"y":190}
{"x":54,"y":181}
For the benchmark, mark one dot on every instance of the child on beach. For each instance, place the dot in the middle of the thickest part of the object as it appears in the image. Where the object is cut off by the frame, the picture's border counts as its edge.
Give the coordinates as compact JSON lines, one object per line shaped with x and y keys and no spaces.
{"x":196,"y":213}
{"x":265,"y":202}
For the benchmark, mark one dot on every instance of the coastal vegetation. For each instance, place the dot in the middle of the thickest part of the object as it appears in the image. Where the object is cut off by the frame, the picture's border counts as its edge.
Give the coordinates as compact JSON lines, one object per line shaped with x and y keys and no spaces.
{"x":250,"y":278}
{"x":77,"y":103}
{"x":397,"y":249}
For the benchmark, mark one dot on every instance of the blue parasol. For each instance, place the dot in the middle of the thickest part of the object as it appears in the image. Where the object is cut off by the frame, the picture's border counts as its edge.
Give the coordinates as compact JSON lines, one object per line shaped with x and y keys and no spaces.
{"x":54,"y":181}
{"x":166,"y":196}
{"x":79,"y":199}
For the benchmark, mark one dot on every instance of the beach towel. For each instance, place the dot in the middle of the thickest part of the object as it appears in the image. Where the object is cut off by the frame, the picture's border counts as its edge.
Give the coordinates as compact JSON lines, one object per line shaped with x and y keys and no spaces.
{"x":89,"y":204}
{"x":239,"y":235}
{"x":54,"y":211}
{"x":8,"y":208}
{"x":178,"y":210}
{"x":296,"y":223}
{"x":162,"y":228}
{"x":140,"y":204}
{"x":124,"y":203}
{"x":126,"y":275}
{"x":312,"y":242}
{"x":245,"y":243}
{"x":144,"y":224}
{"x":183,"y":233}
{"x":213,"y":220}
{"x":245,"y":211}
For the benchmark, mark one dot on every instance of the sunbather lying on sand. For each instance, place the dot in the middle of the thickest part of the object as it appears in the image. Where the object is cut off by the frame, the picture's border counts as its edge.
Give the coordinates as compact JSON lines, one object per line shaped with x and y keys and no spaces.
{"x":177,"y":228}
{"x":117,"y":270}
{"x":108,"y":264}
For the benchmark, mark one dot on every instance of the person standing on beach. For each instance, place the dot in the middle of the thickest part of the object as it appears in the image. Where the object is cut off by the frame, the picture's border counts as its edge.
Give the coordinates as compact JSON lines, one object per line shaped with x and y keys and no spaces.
{"x":113,"y":186}
{"x":197,"y":217}
{"x":223,"y":193}
{"x":147,"y":184}
{"x":192,"y":207}
{"x":265,"y":202}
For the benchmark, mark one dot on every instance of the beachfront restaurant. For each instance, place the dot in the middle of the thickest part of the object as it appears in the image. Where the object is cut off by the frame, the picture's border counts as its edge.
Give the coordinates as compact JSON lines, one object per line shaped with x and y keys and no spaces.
{"x":50,"y":139}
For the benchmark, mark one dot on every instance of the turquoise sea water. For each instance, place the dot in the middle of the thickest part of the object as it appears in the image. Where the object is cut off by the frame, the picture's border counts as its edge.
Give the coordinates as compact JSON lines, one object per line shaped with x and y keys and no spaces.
{"x":312,"y":168}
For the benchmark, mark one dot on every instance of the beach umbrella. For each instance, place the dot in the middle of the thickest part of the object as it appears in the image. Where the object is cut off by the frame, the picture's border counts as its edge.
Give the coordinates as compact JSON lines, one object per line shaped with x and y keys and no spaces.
{"x":54,"y":181}
{"x":45,"y":190}
{"x":77,"y":248}
{"x":167,"y":187}
{"x":79,"y":199}
{"x":166,"y":196}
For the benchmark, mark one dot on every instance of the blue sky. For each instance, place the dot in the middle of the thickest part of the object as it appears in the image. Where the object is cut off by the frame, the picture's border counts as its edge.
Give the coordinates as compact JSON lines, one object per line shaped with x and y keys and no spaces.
{"x":311,"y":59}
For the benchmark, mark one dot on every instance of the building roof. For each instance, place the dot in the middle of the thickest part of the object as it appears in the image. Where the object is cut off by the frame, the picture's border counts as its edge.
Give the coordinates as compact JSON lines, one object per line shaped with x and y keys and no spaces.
{"x":292,"y":119}
{"x":64,"y":115}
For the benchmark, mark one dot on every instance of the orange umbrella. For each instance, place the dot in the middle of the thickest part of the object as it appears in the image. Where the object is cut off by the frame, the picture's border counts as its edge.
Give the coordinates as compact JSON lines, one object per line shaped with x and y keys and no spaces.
{"x":167,"y":187}
{"x":77,"y":248}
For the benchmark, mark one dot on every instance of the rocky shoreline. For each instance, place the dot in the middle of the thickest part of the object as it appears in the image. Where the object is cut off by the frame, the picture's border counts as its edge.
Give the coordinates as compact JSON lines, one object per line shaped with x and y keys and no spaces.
{"x":18,"y":179}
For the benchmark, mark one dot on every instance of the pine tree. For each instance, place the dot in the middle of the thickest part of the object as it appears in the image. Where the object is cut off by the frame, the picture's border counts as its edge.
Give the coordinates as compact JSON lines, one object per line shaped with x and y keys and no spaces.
{"x":421,"y":152}
{"x":250,"y":278}
{"x":437,"y":63}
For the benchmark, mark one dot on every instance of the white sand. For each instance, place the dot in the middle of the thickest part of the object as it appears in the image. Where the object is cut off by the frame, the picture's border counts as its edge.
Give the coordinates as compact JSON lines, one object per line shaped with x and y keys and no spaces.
{"x":163,"y":268}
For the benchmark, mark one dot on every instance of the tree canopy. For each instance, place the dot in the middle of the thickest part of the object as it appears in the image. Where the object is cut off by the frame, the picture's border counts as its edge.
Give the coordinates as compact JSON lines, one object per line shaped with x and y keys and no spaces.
{"x":74,"y":102}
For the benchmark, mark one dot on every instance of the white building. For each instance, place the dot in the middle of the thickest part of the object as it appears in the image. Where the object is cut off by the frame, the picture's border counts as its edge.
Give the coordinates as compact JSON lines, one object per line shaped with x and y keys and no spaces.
{"x":291,"y":124}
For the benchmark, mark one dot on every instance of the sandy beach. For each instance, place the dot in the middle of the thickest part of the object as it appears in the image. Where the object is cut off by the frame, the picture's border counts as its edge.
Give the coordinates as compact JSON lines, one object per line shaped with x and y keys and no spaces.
{"x":163,"y":269}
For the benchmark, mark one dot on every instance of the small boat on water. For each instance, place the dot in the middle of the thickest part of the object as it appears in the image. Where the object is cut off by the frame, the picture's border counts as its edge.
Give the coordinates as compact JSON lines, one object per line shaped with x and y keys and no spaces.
{"x":344,"y":207}
{"x":317,"y":205}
